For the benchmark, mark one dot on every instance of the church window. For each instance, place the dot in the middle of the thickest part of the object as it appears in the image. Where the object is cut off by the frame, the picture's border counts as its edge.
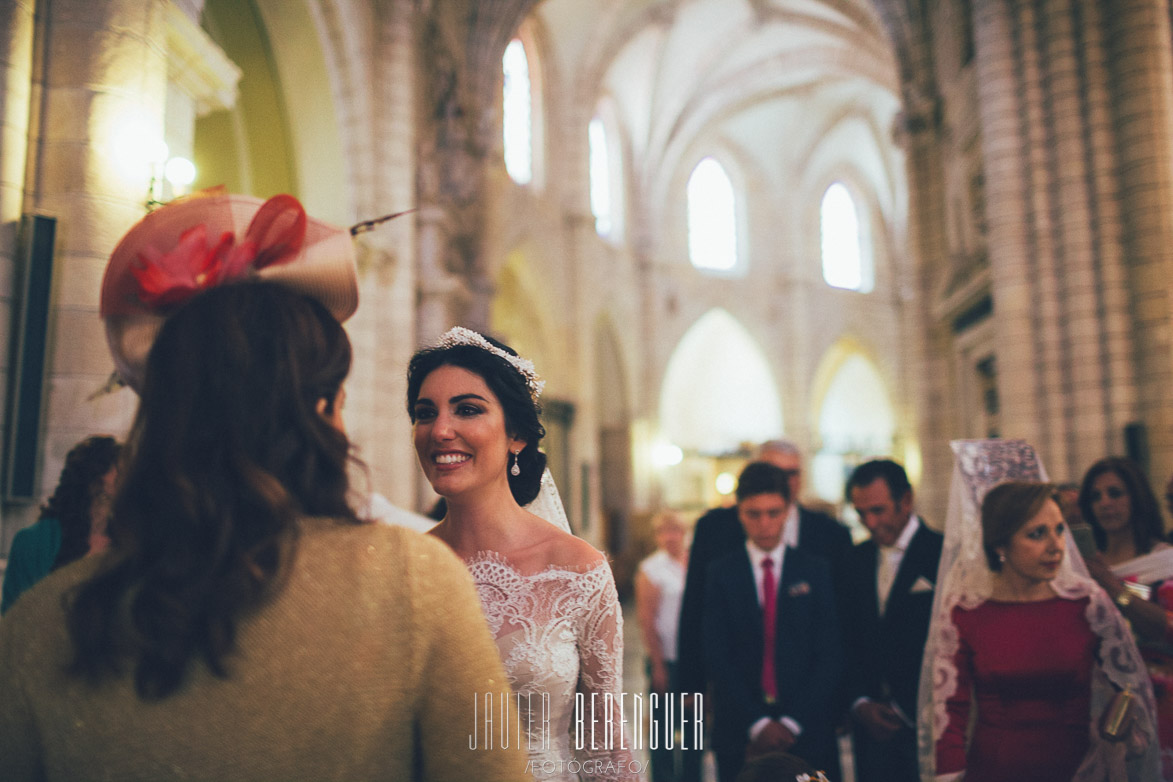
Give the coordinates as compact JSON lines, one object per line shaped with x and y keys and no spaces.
{"x":517,"y":114}
{"x":712,"y":218}
{"x":842,"y":241}
{"x":600,"y":164}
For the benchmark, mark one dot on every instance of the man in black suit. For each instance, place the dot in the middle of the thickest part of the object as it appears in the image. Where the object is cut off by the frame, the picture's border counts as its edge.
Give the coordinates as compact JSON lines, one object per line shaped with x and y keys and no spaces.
{"x":891,"y":581}
{"x":772,"y":644}
{"x":719,"y":531}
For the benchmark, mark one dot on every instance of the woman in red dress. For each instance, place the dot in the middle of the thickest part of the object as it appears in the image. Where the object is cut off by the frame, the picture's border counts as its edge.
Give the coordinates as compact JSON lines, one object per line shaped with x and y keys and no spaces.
{"x":1025,"y":652}
{"x":1025,"y":655}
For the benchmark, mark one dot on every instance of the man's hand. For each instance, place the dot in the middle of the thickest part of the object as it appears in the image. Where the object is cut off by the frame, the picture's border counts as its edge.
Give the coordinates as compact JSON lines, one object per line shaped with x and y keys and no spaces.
{"x":775,"y":737}
{"x":879,"y":719}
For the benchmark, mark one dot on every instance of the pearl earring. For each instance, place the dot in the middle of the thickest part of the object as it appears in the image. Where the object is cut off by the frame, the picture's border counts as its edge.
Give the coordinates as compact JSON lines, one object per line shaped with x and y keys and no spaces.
{"x":515,"y":470}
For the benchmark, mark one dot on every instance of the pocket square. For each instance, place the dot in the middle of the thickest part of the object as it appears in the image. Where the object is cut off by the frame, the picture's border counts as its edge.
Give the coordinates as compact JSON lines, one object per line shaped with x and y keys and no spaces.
{"x":801,"y":588}
{"x":922,"y":585}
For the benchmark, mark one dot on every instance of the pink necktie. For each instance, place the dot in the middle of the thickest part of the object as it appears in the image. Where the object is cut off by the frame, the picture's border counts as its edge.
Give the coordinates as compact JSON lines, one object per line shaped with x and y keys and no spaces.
{"x":769,"y":616}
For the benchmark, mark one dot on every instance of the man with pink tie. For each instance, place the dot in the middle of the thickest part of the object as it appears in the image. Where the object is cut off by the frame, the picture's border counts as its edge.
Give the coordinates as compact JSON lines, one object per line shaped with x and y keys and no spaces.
{"x":771,"y":637}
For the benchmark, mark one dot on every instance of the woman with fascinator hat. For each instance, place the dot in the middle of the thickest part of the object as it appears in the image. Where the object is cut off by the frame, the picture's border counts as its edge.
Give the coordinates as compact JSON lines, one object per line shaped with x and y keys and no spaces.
{"x":243,"y":624}
{"x":549,"y":597}
{"x":1023,"y":637}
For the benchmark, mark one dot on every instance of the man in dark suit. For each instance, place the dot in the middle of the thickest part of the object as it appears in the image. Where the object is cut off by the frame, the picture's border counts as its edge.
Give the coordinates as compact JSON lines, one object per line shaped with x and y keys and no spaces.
{"x":719,"y":531}
{"x":891,"y":579}
{"x":772,"y":643}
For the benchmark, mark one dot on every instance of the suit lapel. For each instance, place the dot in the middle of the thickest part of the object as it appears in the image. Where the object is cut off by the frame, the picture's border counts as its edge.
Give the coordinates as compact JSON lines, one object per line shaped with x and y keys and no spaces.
{"x":792,"y":575}
{"x":910,"y":565}
{"x":867,"y":572}
{"x":744,"y":592}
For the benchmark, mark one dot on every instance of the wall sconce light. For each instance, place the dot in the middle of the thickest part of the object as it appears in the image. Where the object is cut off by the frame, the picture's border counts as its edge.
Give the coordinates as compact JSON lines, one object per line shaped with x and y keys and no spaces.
{"x":725,"y":483}
{"x":137,"y":152}
{"x":178,"y":172}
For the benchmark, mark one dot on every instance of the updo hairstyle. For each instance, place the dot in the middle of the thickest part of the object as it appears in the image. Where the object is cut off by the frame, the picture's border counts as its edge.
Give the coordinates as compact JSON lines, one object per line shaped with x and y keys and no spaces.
{"x":522,"y":411}
{"x":1006,"y":509}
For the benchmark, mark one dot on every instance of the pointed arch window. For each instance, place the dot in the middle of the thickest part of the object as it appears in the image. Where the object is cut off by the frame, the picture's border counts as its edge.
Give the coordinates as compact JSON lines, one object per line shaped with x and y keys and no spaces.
{"x":844,"y":262}
{"x":712,"y":218}
{"x":517,"y":115}
{"x":600,"y":164}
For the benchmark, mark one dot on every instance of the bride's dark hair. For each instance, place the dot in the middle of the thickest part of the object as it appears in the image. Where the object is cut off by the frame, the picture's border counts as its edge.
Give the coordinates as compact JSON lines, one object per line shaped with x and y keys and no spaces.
{"x":522,"y":411}
{"x":227,"y":451}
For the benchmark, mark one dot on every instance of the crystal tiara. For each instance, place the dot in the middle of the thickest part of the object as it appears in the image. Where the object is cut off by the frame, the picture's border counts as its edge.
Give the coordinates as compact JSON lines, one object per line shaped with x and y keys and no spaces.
{"x":462,"y":336}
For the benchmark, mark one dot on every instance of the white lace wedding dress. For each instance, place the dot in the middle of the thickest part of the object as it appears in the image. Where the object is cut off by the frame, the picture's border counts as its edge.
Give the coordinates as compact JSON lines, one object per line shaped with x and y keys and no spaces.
{"x":560,"y":632}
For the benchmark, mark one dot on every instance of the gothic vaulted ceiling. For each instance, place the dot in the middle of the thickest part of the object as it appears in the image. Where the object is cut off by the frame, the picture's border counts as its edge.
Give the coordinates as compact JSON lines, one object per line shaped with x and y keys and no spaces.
{"x":765,"y":80}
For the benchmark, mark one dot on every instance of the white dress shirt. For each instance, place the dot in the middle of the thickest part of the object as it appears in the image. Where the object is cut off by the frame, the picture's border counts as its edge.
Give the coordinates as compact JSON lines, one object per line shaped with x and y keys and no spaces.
{"x":790,"y":530}
{"x":889,"y":559}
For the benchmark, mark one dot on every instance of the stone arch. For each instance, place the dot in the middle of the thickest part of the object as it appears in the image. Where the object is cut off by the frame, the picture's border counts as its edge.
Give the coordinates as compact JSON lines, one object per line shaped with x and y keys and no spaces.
{"x":852,"y":415}
{"x":719,"y":390}
{"x":282,"y":135}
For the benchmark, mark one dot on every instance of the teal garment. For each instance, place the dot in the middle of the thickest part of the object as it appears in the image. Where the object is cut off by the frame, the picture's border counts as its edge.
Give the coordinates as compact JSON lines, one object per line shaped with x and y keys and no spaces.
{"x":33,"y":552}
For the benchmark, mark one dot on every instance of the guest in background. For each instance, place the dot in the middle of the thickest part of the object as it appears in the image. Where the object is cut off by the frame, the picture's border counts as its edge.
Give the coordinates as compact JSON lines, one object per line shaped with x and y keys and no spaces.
{"x":771,"y":637}
{"x":659,"y":585}
{"x":72,"y":522}
{"x":719,"y":532}
{"x":1119,"y":504}
{"x":1034,"y":629}
{"x":244,"y":624}
{"x":891,"y":581}
{"x":1025,"y":654}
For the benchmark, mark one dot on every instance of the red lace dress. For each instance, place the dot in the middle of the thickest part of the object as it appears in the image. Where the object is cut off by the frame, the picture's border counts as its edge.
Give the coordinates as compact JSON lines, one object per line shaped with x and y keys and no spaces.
{"x":1028,"y":666}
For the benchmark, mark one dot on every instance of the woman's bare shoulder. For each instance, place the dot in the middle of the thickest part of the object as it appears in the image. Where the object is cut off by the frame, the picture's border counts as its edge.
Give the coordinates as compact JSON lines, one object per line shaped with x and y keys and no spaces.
{"x":572,"y":553}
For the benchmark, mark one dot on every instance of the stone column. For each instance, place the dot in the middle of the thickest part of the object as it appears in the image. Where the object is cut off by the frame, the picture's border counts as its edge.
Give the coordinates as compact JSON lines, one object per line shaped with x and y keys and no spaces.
{"x":931,"y":385}
{"x":391,"y":291}
{"x":1140,"y":66}
{"x":99,"y":100}
{"x":1004,"y":142}
{"x":16,"y":76}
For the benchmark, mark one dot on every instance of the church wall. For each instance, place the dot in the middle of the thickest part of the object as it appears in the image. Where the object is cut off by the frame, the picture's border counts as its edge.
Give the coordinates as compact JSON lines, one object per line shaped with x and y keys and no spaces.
{"x":1049,"y":154}
{"x":1038,"y":177}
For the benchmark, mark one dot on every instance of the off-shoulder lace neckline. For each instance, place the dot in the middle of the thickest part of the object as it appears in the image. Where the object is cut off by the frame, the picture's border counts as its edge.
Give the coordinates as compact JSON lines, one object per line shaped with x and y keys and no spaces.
{"x":552,"y":570}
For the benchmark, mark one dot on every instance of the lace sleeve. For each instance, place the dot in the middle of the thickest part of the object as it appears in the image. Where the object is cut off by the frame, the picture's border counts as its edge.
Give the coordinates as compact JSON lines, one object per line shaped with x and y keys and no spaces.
{"x":600,"y":643}
{"x":951,"y":745}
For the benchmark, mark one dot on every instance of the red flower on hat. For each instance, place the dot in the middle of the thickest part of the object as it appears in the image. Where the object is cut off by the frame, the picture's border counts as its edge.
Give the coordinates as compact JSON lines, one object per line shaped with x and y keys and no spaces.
{"x":275,"y":235}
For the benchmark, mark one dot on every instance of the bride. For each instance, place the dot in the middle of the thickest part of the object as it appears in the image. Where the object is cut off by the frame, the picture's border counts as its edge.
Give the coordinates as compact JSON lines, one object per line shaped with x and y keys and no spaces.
{"x":549,"y":597}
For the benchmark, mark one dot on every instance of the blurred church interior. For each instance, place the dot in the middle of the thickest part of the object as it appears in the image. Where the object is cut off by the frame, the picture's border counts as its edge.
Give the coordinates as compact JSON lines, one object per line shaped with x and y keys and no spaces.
{"x":869,"y":226}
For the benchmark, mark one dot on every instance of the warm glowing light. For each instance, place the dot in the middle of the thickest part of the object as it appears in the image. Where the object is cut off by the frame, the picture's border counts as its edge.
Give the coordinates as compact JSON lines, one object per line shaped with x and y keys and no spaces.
{"x":726,"y":482}
{"x":665,"y":454}
{"x":136,"y":148}
{"x":180,"y":172}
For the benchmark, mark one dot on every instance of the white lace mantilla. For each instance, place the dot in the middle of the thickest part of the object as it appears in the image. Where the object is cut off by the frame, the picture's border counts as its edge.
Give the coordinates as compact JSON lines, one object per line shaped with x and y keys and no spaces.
{"x":560,"y":632}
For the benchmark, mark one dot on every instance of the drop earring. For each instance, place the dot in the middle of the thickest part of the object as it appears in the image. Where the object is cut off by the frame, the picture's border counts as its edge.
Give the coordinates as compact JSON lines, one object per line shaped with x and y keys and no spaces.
{"x":515,"y":470}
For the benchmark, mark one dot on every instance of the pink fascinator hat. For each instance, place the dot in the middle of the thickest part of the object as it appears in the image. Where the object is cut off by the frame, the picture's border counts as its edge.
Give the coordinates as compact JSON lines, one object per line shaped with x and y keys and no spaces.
{"x":213,"y":238}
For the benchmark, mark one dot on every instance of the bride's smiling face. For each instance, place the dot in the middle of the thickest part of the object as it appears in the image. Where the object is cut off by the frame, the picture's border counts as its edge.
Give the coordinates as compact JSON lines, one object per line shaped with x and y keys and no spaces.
{"x":459,"y":432}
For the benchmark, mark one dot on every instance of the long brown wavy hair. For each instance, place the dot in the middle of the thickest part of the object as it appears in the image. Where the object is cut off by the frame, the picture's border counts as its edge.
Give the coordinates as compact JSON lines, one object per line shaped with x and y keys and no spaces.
{"x":1147,"y":525}
{"x":227,"y":451}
